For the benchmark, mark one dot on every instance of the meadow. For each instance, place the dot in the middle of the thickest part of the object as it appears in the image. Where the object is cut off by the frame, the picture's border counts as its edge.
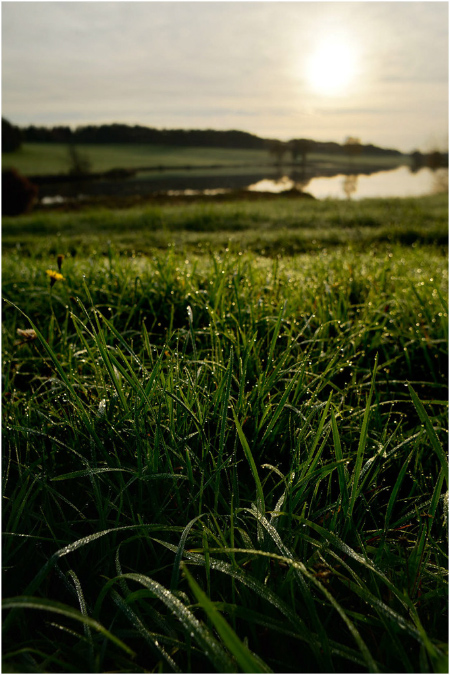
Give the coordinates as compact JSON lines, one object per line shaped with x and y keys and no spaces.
{"x":53,"y":158}
{"x":224,"y":438}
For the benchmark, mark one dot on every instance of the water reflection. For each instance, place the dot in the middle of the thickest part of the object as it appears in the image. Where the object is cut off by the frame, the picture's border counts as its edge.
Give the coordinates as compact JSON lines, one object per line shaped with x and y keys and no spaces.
{"x":400,"y":182}
{"x":350,"y":185}
{"x":281,"y":184}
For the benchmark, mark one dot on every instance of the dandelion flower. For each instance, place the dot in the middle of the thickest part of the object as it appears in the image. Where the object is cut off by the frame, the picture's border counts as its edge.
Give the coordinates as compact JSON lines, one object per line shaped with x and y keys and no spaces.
{"x":54,"y":277}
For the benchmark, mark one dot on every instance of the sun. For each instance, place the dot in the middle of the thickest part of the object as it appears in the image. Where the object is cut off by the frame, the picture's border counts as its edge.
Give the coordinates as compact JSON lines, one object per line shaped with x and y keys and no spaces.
{"x":331,"y":67}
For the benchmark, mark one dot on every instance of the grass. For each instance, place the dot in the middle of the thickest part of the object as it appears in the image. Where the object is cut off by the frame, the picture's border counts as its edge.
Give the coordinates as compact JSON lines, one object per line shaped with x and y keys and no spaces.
{"x":217,"y":460}
{"x":52,"y":158}
{"x":284,"y":226}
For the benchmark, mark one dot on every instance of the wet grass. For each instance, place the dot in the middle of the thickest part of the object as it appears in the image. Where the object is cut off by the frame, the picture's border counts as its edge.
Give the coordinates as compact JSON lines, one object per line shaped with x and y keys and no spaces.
{"x":216,"y":460}
{"x":282,"y":226}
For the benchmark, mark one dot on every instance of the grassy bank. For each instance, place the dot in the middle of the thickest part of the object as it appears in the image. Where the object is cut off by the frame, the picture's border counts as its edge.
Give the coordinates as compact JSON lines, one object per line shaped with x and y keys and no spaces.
{"x":217,"y":460}
{"x":281,"y":226}
{"x":53,"y":158}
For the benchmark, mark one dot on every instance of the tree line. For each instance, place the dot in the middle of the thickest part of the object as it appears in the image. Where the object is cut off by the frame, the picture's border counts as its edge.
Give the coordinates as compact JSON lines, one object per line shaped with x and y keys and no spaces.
{"x":13,"y":136}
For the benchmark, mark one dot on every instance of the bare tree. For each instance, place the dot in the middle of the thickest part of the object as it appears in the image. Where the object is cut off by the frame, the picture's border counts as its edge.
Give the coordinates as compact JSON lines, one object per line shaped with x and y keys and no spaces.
{"x":300,"y":147}
{"x":277,"y":149}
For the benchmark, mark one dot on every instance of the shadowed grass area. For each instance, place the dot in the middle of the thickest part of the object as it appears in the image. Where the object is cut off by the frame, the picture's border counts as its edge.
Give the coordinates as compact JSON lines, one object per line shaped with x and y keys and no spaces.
{"x":221,"y":461}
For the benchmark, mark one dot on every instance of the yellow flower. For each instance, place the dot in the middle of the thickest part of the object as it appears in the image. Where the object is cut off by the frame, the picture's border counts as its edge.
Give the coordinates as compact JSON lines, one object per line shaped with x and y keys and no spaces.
{"x":54,"y":276}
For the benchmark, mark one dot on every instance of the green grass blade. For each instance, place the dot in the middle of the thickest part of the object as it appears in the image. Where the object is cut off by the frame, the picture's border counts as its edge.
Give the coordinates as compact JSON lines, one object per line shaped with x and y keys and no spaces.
{"x":395,"y":490}
{"x":143,"y":631}
{"x":179,"y":554}
{"x":362,"y":444}
{"x":28,"y":602}
{"x":340,"y":468}
{"x":225,"y":401}
{"x":242,"y":654}
{"x":435,"y":444}
{"x":211,"y":648}
{"x":251,"y":461}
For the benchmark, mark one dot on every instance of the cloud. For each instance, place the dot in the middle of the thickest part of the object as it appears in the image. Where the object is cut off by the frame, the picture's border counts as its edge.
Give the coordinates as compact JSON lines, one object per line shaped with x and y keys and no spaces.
{"x":230,"y":63}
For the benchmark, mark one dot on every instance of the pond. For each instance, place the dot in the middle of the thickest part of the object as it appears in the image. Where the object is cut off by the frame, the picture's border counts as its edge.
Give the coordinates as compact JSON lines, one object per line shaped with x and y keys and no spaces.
{"x":399,"y":182}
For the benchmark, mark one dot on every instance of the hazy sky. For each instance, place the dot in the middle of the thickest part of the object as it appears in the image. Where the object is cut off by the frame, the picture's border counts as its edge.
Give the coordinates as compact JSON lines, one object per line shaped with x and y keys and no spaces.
{"x":323,"y":70}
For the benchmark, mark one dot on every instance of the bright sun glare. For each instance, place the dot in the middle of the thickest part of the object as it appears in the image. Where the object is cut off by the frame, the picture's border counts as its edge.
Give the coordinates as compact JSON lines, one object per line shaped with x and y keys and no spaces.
{"x":331,"y":68}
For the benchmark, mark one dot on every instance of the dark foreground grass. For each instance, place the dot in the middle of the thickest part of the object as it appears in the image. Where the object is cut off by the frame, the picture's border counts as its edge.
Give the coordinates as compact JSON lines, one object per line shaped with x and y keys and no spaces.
{"x":226,"y":462}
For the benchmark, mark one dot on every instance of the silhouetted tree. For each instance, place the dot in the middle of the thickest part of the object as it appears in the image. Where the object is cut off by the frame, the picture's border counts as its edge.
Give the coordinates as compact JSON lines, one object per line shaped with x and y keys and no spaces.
{"x":79,"y":163}
{"x":62,"y":134}
{"x":352,"y":146}
{"x":277,"y":149}
{"x":300,"y":147}
{"x":417,"y":161}
{"x":18,"y":194}
{"x":434,"y":160}
{"x":11,"y":136}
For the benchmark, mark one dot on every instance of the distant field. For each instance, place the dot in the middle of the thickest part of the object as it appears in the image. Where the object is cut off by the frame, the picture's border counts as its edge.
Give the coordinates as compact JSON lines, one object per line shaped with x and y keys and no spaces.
{"x":47,"y":158}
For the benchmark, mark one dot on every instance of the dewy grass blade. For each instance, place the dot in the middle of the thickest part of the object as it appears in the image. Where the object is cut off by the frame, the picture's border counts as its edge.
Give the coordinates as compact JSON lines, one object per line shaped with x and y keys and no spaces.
{"x":336,"y":541}
{"x":191,"y":330}
{"x":278,"y":410}
{"x":253,"y":584}
{"x":273,"y":344}
{"x":143,"y":631}
{"x":82,"y":603}
{"x":225,"y":402}
{"x":27,"y":602}
{"x":113,"y":373}
{"x":89,"y":472}
{"x":244,"y":657}
{"x":340,"y":468}
{"x":204,"y":638}
{"x":416,"y":558}
{"x":254,"y":470}
{"x":179,"y":554}
{"x":323,"y":655}
{"x":362,"y":444}
{"x":31,"y":588}
{"x":435,"y":444}
{"x":309,"y":461}
{"x":395,"y":490}
{"x":187,"y":409}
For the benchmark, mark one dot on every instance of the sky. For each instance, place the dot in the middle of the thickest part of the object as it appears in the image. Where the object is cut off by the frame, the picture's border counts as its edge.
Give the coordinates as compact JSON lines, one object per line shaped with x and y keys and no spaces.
{"x":321,"y":70}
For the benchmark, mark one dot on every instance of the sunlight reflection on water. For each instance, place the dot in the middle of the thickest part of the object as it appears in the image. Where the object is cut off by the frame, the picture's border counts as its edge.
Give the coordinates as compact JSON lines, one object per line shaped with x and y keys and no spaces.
{"x":400,"y":182}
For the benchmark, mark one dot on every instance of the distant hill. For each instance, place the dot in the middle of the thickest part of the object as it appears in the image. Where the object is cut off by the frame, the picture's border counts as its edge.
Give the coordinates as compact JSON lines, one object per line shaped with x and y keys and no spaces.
{"x":123,"y":133}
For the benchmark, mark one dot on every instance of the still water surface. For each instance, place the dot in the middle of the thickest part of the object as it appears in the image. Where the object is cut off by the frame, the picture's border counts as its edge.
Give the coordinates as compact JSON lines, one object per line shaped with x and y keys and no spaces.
{"x":400,"y":182}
